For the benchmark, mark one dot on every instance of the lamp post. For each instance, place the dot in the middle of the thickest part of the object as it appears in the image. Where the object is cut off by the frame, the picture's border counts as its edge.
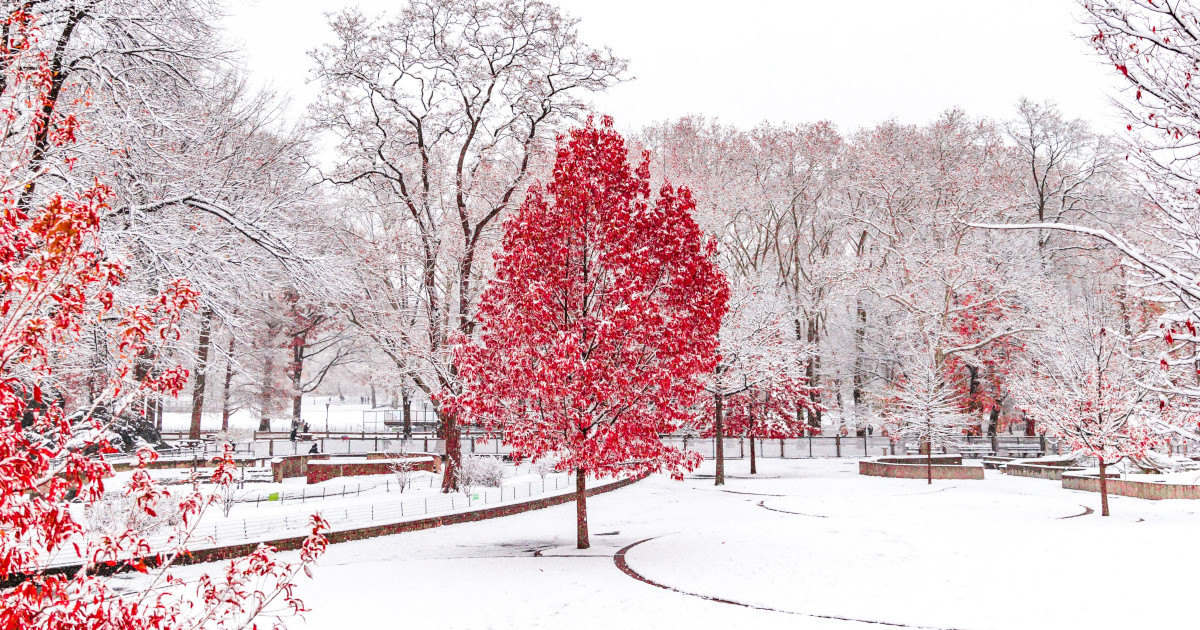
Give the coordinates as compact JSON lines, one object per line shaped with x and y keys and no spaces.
{"x":327,"y":418}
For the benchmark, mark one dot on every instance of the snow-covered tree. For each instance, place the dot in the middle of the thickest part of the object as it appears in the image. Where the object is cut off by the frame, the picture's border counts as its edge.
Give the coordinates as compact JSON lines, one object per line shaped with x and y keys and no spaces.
{"x":1152,"y":47}
{"x":442,"y":112}
{"x":925,"y":409}
{"x":1084,"y":390}
{"x":955,"y":294}
{"x":56,"y":275}
{"x":601,"y":322}
{"x":759,"y":386}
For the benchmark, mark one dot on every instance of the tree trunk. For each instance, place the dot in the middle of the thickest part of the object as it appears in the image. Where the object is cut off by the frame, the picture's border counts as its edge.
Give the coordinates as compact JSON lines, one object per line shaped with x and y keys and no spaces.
{"x":719,"y":431}
{"x":296,"y":371}
{"x":373,"y":405}
{"x":1103,"y":489}
{"x":453,"y":454}
{"x":407,"y":413}
{"x":753,"y":465}
{"x":813,"y":374}
{"x":226,"y":408}
{"x":860,"y":332}
{"x":201,"y":373}
{"x":581,"y":525}
{"x":265,"y":397}
{"x":929,"y":465}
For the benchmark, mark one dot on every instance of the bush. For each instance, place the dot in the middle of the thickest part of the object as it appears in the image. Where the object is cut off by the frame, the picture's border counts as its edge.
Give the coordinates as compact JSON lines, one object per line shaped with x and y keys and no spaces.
{"x":477,"y":470}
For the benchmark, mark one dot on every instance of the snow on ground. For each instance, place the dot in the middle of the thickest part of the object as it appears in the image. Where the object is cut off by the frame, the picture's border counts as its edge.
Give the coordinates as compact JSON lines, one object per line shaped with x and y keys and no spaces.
{"x":804,"y":537}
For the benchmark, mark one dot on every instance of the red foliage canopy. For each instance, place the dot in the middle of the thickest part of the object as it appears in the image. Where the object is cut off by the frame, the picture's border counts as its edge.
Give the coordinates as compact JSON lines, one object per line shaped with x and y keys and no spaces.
{"x":768,"y":410}
{"x":602,"y":319}
{"x":53,"y":274}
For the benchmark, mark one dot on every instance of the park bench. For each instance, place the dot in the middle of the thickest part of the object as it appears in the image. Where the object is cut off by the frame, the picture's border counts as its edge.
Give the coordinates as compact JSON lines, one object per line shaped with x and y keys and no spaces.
{"x":976,"y":450}
{"x":1023,"y":450}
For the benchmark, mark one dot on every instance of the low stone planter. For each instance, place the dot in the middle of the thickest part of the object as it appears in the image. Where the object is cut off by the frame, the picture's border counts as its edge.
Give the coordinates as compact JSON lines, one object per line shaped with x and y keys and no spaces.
{"x":1037,"y":471}
{"x":1130,"y":488}
{"x":914,"y":467}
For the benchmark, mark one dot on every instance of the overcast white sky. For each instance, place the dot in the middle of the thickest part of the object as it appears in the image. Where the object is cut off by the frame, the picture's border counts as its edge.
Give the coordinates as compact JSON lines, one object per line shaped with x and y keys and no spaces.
{"x":854,"y":62}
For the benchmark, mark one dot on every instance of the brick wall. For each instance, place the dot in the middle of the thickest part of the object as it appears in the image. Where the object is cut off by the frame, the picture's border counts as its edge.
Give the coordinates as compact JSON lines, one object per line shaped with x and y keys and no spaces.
{"x":289,"y":466}
{"x":319,"y":471}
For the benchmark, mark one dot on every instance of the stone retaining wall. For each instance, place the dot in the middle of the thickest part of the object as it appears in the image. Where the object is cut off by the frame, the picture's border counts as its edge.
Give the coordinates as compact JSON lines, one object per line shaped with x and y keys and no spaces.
{"x":910,"y":469}
{"x":952,"y":459}
{"x":289,"y":466}
{"x":319,"y":471}
{"x":1127,"y":488}
{"x":1037,"y":471}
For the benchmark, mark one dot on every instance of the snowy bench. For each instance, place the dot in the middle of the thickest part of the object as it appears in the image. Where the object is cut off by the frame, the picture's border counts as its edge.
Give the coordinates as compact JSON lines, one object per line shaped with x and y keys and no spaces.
{"x":976,"y":450}
{"x":1020,"y":450}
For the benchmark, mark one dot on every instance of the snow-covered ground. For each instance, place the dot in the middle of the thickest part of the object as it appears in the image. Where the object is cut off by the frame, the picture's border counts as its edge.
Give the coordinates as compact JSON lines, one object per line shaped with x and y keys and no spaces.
{"x":267,"y":511}
{"x":807,"y":538}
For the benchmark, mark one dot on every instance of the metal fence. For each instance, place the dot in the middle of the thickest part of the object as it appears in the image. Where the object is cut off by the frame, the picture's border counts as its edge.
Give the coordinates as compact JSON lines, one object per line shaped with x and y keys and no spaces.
{"x":214,"y":532}
{"x":735,"y":448}
{"x":847,"y":446}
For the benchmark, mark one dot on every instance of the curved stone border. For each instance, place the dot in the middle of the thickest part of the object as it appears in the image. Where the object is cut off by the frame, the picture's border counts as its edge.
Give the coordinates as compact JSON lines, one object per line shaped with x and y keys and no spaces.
{"x":227,"y":552}
{"x":1037,"y":471}
{"x":1130,"y":488}
{"x":623,"y":565}
{"x":944,"y":467}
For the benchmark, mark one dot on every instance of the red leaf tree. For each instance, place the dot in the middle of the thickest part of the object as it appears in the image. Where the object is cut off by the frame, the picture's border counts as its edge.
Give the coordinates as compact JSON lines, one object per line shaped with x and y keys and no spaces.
{"x":54,"y":274}
{"x":768,"y":411}
{"x":759,"y":387}
{"x":600,"y":323}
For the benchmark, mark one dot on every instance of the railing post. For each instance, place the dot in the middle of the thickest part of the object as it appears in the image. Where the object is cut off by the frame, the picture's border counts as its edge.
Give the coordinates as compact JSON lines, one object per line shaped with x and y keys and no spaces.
{"x":810,"y":446}
{"x":837,"y":443}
